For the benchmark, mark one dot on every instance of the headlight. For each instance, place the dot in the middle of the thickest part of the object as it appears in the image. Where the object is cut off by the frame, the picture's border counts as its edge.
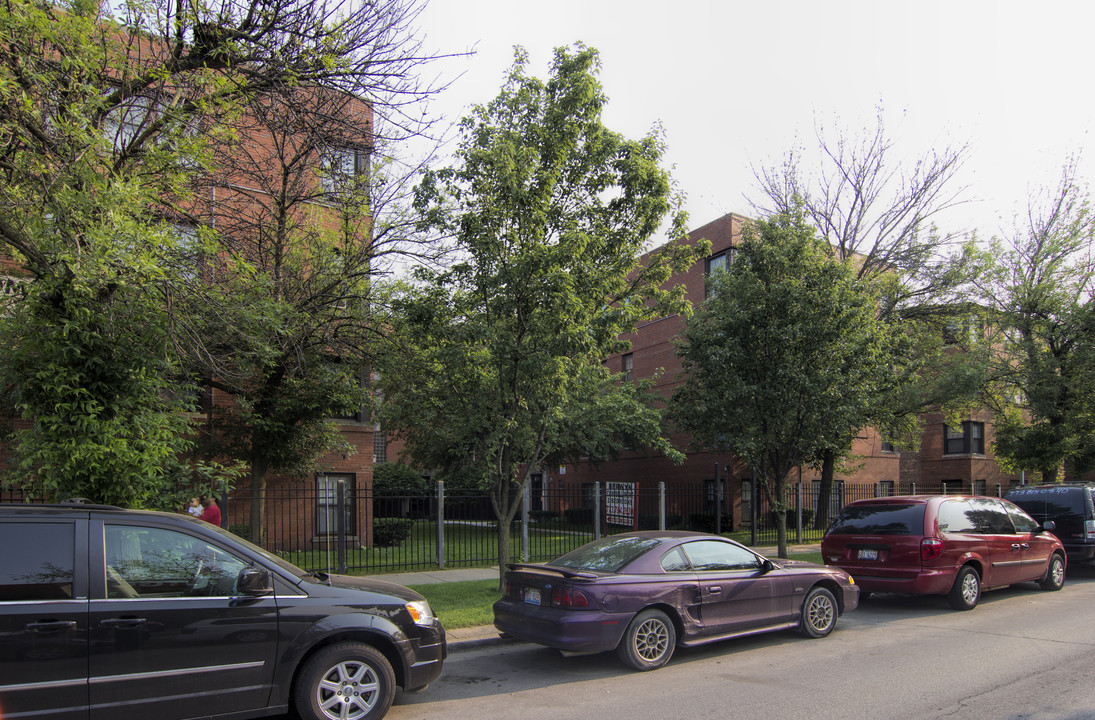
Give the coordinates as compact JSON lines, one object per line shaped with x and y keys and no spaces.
{"x":420,"y":612}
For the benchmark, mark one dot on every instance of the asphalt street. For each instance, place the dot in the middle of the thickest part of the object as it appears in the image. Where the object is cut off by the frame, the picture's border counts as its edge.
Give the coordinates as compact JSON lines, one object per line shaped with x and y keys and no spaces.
{"x":1022,"y":654}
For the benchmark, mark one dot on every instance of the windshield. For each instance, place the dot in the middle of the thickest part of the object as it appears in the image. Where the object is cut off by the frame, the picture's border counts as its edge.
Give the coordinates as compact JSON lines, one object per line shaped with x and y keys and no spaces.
{"x":606,"y":555}
{"x":887,"y":519}
{"x":266,"y":554}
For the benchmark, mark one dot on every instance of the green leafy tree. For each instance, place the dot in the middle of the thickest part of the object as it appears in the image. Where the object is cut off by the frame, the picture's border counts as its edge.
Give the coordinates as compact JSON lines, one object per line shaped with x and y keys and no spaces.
{"x":1040,"y":292}
{"x":880,"y":215}
{"x":496,"y":364}
{"x":784,"y":357}
{"x":107,"y":125}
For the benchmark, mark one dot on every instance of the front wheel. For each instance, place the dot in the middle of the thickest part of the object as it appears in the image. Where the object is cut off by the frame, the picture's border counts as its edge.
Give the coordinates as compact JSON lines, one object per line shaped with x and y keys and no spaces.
{"x":819,"y":612}
{"x":966,"y":591}
{"x":1055,"y":574}
{"x":649,"y":641}
{"x":346,"y":681}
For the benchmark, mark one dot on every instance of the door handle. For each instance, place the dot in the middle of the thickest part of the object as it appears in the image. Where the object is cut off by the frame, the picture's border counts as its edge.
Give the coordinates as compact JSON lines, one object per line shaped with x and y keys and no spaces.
{"x":1025,"y":546}
{"x":51,"y":626}
{"x":122,"y":623}
{"x":715,"y":589}
{"x":1015,"y":546}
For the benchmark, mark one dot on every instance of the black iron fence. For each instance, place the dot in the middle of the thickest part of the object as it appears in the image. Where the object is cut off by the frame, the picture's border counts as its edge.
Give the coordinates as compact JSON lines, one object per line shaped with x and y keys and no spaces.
{"x":335,"y":527}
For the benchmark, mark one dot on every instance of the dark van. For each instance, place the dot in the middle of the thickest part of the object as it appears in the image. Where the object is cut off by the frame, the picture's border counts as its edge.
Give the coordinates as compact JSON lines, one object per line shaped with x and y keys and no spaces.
{"x":1071,"y":508}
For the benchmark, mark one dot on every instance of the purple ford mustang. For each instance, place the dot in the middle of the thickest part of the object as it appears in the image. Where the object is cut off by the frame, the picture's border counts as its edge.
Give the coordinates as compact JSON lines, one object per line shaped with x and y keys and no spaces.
{"x":644,"y":593}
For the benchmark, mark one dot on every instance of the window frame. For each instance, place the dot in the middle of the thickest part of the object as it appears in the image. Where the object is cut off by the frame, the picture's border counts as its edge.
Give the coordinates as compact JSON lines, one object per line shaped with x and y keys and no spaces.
{"x":970,"y":441}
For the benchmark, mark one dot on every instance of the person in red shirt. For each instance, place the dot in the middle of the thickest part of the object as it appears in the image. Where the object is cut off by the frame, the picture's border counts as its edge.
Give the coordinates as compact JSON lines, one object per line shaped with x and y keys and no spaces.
{"x":211,"y":513}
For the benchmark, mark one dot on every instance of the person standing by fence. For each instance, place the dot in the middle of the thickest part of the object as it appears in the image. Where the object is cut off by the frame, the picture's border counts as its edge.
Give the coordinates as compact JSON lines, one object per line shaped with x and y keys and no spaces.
{"x":211,"y":513}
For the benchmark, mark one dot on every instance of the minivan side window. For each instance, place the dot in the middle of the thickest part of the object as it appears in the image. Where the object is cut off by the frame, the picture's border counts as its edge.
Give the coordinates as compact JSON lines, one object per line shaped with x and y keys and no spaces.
{"x":148,"y":562}
{"x":43,"y":567}
{"x":1023,"y":523}
{"x":956,"y":516}
{"x":990,"y":516}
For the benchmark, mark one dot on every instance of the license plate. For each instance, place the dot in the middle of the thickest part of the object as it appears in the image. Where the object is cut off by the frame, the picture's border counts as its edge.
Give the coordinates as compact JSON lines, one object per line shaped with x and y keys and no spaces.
{"x":532,"y":596}
{"x":868,"y":555}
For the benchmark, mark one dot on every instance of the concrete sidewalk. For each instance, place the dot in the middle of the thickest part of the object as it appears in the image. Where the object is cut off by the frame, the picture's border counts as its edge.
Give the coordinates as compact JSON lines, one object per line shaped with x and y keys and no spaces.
{"x":469,"y":638}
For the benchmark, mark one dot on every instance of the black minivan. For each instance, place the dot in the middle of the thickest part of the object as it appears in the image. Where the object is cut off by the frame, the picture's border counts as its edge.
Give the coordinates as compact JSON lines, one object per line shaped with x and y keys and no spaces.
{"x":112,"y":614}
{"x":1071,"y":506}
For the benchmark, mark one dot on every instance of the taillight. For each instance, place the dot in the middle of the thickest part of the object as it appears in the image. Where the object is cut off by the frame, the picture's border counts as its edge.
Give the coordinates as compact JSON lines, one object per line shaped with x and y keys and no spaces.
{"x":930,"y":548}
{"x":569,"y":598}
{"x":1089,"y":530}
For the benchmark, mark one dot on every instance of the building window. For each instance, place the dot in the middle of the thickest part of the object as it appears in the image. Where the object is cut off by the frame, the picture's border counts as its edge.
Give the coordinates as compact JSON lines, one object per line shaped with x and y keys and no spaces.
{"x":340,"y":168}
{"x":980,"y":487}
{"x":885,"y":488}
{"x":888,"y":447}
{"x":380,"y":445}
{"x":327,"y":503}
{"x":718,"y":261}
{"x":746,"y":500}
{"x":967,"y":440}
{"x":124,"y":123}
{"x":628,"y":363}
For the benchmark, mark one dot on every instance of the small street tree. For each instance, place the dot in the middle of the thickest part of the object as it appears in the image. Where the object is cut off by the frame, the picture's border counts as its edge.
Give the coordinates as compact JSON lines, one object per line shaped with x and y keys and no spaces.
{"x":880,"y":215}
{"x":495,"y":368}
{"x":1040,"y":292}
{"x":782,"y":361}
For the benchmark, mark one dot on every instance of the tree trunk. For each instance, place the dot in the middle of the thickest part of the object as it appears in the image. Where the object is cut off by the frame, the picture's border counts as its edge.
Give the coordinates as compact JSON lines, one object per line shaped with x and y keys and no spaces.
{"x":258,"y":500}
{"x":825,"y":491}
{"x":505,"y":499}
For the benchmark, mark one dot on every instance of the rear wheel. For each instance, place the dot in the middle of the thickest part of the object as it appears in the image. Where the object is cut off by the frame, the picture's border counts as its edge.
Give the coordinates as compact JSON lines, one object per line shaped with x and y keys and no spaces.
{"x":966,"y":591}
{"x":819,"y":612}
{"x":649,"y":641}
{"x":1055,"y":574}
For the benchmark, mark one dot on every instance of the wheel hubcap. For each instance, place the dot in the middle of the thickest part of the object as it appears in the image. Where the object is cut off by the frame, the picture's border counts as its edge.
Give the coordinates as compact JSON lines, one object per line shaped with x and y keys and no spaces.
{"x":348,"y":691}
{"x":820,"y":613}
{"x":651,"y":640}
{"x":969,"y":589}
{"x":1058,"y":570}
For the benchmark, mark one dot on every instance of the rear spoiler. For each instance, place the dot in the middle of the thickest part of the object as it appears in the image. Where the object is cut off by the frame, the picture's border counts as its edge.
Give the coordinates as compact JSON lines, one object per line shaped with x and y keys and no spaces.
{"x":569,"y":574}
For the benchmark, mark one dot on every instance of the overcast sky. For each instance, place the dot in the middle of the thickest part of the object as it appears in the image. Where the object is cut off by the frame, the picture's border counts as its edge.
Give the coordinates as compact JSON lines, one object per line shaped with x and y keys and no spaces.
{"x":737,"y":84}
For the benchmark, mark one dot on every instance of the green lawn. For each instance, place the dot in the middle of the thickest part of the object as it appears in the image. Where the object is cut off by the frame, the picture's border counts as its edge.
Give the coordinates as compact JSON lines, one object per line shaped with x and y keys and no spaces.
{"x":468,"y":603}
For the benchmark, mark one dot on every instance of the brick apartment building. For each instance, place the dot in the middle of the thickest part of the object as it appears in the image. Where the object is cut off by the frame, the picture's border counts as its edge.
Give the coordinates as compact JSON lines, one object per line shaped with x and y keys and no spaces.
{"x":960,"y":457}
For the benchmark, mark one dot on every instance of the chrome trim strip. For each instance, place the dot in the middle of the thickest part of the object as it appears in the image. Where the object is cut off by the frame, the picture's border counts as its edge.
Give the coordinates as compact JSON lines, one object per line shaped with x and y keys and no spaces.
{"x":420,"y":663}
{"x":176,"y":598}
{"x":175,"y":673}
{"x":66,"y":601}
{"x":743,"y":633}
{"x":40,"y":685}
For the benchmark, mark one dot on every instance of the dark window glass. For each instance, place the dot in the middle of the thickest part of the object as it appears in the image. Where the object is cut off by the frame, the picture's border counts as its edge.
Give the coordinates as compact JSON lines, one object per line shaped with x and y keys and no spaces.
{"x":145,"y":562}
{"x":956,"y":516}
{"x":970,"y":438}
{"x":1067,"y":507}
{"x":42,"y":567}
{"x":1022,"y":522}
{"x":990,"y":517}
{"x":327,"y":503}
{"x":628,"y":363}
{"x":888,"y":519}
{"x":705,"y":555}
{"x":605,"y":555}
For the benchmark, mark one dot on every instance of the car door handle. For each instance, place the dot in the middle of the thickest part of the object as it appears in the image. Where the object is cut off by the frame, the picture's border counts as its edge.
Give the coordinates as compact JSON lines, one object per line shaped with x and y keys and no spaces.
{"x":1025,"y":546}
{"x":1015,"y":546}
{"x":715,"y":589}
{"x":51,"y":626}
{"x":122,"y":623}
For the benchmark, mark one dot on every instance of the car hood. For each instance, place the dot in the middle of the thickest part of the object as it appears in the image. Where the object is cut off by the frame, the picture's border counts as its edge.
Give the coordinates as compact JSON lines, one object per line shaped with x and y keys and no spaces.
{"x":369,"y":584}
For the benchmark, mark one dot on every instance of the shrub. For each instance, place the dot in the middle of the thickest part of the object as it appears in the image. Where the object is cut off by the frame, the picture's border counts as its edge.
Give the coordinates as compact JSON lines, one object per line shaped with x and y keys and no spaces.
{"x":392,"y":478}
{"x":543,"y":516}
{"x":241,"y":529}
{"x":578,"y":516}
{"x":807,"y":517}
{"x":391,"y":531}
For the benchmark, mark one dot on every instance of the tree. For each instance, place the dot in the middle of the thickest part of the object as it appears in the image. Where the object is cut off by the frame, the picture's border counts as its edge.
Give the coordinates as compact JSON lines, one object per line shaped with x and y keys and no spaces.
{"x":106,"y":126}
{"x":496,"y":364}
{"x":1041,"y":292}
{"x":880,"y":216}
{"x":781,"y":362}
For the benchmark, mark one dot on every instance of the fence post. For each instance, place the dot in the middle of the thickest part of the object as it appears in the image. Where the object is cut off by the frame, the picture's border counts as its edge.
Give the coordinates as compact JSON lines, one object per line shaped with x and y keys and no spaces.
{"x":597,"y":510}
{"x":798,"y":512}
{"x":753,"y":509}
{"x":661,"y":505}
{"x":999,"y":490}
{"x":944,"y":488}
{"x":340,"y":523}
{"x":718,"y":501}
{"x":912,"y":488}
{"x":840,"y":494}
{"x":441,"y":524}
{"x":525,"y":499}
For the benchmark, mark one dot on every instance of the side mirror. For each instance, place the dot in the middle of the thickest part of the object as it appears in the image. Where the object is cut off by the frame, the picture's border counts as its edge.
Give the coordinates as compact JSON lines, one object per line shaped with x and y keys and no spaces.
{"x":1049,"y":526}
{"x":254,"y":581}
{"x":767,"y":566}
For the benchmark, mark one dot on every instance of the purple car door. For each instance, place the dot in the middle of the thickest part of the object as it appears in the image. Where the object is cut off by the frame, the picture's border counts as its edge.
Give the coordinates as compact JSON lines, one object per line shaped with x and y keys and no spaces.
{"x":736,"y":594}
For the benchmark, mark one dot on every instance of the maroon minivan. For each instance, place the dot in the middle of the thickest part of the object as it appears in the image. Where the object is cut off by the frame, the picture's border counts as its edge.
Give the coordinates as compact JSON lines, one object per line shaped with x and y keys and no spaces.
{"x":953,"y":545}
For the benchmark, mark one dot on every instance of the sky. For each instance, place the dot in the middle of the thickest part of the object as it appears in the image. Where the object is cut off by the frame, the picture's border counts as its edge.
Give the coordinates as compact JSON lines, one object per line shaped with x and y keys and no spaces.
{"x":736,"y":85}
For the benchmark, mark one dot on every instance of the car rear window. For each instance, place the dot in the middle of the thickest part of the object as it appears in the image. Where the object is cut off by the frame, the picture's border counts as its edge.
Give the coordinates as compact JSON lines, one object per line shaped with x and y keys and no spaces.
{"x":882,"y":519}
{"x":606,"y":555}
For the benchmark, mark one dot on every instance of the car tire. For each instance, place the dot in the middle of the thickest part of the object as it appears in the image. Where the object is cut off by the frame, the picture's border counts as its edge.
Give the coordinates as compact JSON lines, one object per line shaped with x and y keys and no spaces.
{"x":819,"y":613}
{"x":966,"y":591}
{"x":649,"y":641}
{"x":1055,"y":574}
{"x":351,"y":677}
